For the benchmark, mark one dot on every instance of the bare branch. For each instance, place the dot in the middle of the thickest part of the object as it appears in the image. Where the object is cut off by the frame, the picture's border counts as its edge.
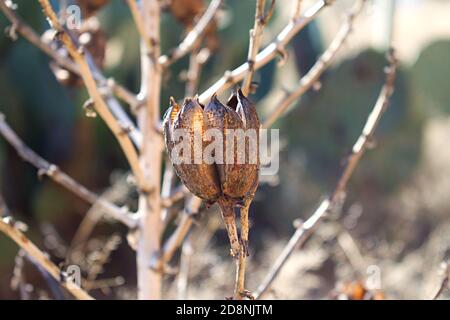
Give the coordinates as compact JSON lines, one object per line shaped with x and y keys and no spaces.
{"x":29,"y":34}
{"x":255,"y":42}
{"x":101,"y":107}
{"x":304,"y":231}
{"x":193,"y":36}
{"x":313,"y":75}
{"x":150,"y":233}
{"x":178,"y":236}
{"x":268,"y":54}
{"x":178,"y":194}
{"x":7,"y":227}
{"x":138,"y":21}
{"x":187,"y":251}
{"x":197,"y":59}
{"x":54,"y":173}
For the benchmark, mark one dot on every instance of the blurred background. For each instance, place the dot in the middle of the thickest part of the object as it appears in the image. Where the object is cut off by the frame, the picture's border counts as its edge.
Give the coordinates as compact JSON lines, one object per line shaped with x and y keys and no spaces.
{"x":397,"y":215}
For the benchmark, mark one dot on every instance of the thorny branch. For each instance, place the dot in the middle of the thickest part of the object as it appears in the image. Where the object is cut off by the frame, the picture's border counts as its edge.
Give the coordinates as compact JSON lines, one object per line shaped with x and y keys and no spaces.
{"x":304,"y":231}
{"x":313,"y":75}
{"x":54,"y":173}
{"x":7,"y":227}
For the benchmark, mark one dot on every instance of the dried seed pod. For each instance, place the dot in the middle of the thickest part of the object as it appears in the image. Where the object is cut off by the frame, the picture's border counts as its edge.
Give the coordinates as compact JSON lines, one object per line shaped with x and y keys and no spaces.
{"x":249,"y":116}
{"x":233,"y":175}
{"x":200,"y":178}
{"x":231,"y":179}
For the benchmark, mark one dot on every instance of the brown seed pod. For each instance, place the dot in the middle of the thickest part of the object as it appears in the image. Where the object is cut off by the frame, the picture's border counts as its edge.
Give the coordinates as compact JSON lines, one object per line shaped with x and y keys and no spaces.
{"x":233,"y":175}
{"x":249,"y":116}
{"x":231,"y":179}
{"x":200,"y":178}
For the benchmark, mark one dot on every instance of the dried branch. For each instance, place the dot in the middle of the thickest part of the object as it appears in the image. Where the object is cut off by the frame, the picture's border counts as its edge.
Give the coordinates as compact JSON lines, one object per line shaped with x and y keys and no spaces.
{"x":101,"y":107}
{"x":7,"y":227}
{"x":304,"y":231}
{"x":313,"y":75}
{"x":138,"y":21}
{"x":445,"y":270}
{"x":54,"y":173}
{"x":178,"y":236}
{"x":99,"y":258}
{"x":193,"y":36}
{"x":197,"y":59}
{"x":149,"y":241}
{"x":185,"y":263}
{"x":21,"y":27}
{"x":268,"y":54}
{"x":255,"y":41}
{"x":178,"y":194}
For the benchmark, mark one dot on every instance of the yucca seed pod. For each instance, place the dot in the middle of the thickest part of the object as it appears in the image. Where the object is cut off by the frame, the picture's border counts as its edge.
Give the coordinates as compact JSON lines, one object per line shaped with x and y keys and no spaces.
{"x":200,"y":178}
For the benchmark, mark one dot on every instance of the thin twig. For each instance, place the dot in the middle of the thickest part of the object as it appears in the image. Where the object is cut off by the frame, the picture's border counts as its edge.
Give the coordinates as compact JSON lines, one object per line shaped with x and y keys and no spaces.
{"x":6,"y":226}
{"x":101,"y":107}
{"x":304,"y":231}
{"x":193,"y":36}
{"x":255,"y":41}
{"x":197,"y":59}
{"x":178,"y":236}
{"x":313,"y":75}
{"x":178,"y":194}
{"x":275,"y":48}
{"x":185,"y":264}
{"x":54,"y":173}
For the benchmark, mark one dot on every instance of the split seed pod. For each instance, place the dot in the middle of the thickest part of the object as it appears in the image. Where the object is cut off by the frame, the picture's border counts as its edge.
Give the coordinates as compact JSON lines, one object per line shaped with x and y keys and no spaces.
{"x":238,"y":179}
{"x":231,"y":180}
{"x":201,"y":179}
